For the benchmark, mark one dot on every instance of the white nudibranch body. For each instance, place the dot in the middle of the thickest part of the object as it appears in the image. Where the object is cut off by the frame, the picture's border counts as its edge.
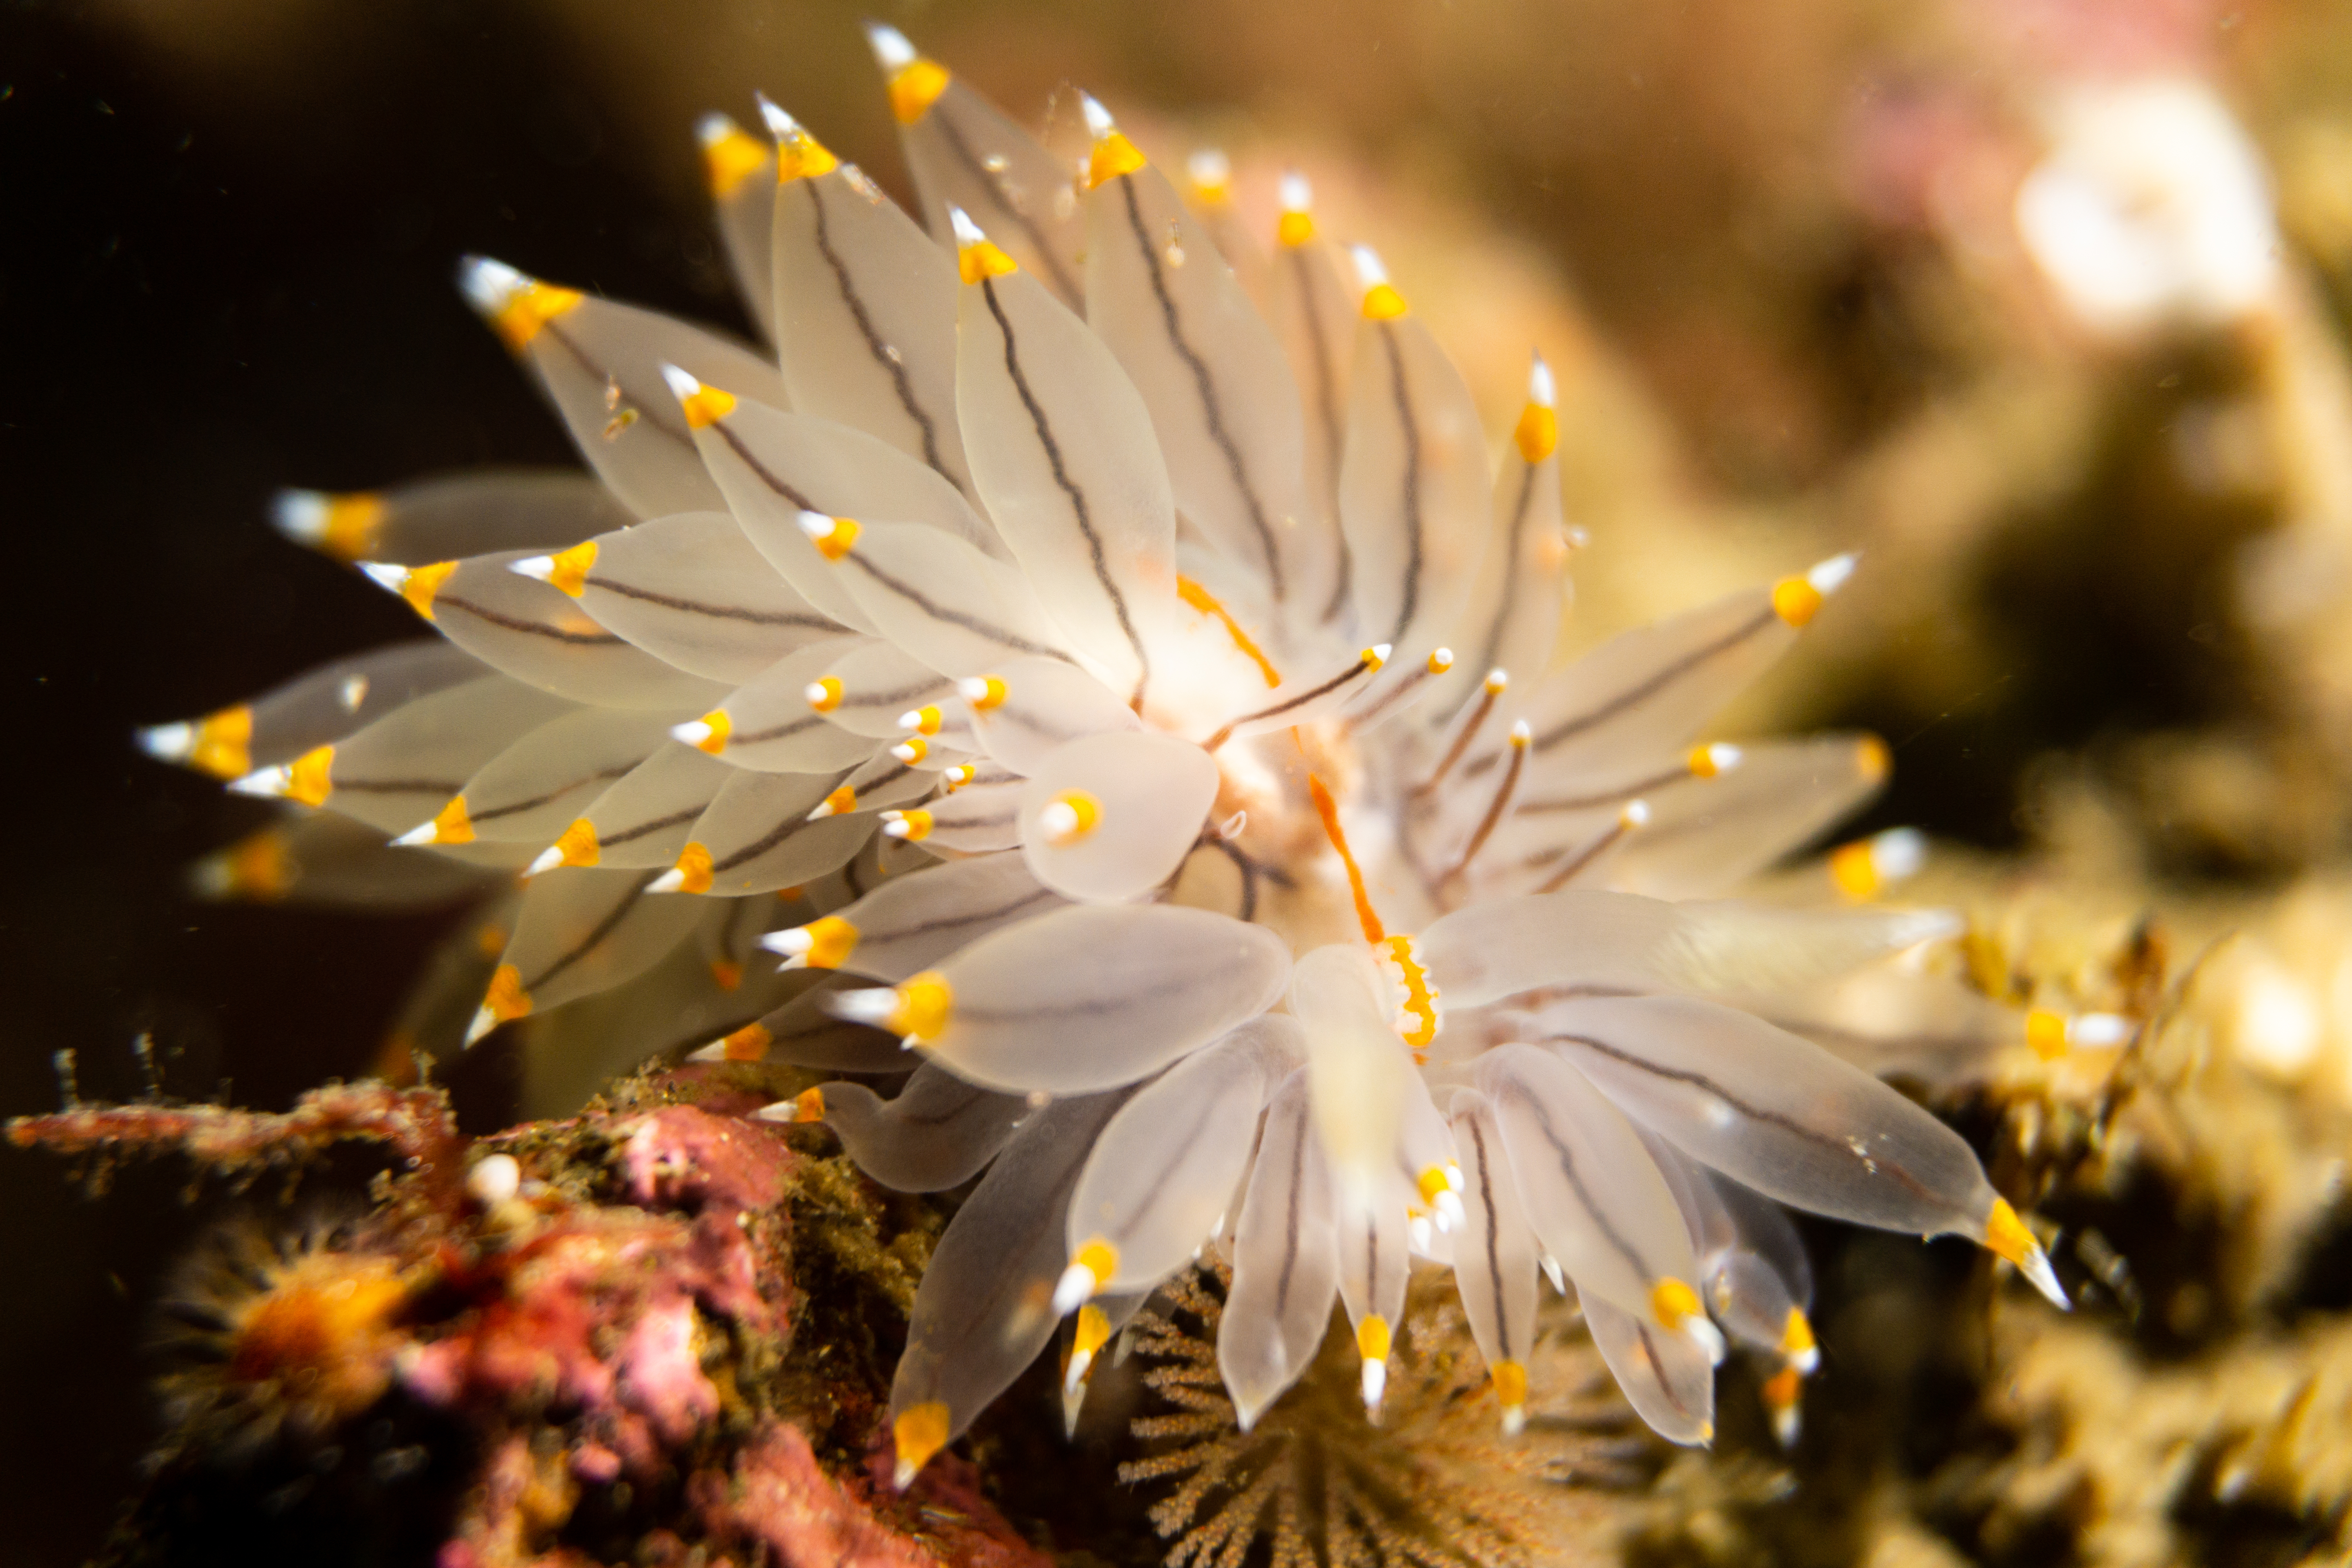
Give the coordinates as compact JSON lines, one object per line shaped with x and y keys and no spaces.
{"x":1131,"y":705}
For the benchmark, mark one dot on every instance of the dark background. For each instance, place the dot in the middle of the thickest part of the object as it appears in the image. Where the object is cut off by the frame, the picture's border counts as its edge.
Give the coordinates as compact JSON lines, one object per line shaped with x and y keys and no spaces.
{"x":227,"y":234}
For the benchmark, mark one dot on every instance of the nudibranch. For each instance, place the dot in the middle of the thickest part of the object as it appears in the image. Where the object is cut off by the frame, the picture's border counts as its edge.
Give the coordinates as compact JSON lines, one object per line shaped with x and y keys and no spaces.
{"x":1133,"y":692}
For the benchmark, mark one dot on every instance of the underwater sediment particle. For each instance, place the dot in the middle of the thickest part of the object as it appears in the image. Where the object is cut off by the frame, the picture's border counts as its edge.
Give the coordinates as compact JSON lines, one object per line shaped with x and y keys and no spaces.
{"x":1137,"y":697}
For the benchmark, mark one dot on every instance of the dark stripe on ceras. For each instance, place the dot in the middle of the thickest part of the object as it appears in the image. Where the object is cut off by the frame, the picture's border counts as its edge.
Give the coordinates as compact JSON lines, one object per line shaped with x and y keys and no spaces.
{"x":630,"y":835}
{"x":951,"y":922}
{"x":491,"y":813}
{"x":1903,"y":1178}
{"x":1567,"y":728}
{"x":1182,"y":1146}
{"x":1410,"y":427}
{"x":1290,"y":1220}
{"x":776,"y":733}
{"x":1608,"y":797}
{"x":1211,"y":407}
{"x":716,"y":612}
{"x":1345,"y":676}
{"x":759,"y":470}
{"x":394,"y":786}
{"x":587,"y":944}
{"x":773,"y":836}
{"x":937,"y":610}
{"x":1658,"y":1365}
{"x":1608,"y":1233}
{"x":517,"y":623}
{"x":1326,"y":399}
{"x":1510,"y":568}
{"x":644,"y":406}
{"x":1494,"y":1239}
{"x":890,"y":363}
{"x":1004,"y":204}
{"x":1078,"y":498}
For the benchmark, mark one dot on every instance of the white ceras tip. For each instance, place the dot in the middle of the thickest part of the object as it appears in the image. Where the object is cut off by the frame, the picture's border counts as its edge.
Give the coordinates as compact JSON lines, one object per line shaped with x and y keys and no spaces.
{"x":1059,"y":820}
{"x":891,"y":51}
{"x":1208,"y":167}
{"x":967,"y":233}
{"x":265,"y":783}
{"x":1552,"y":1272}
{"x":817,"y":525}
{"x":549,"y":859}
{"x":1786,"y":1425}
{"x":2098,"y":1030}
{"x":1076,"y":1287}
{"x":167,"y":743}
{"x":871,"y":1004}
{"x":1380,"y":650}
{"x":1099,"y":123}
{"x":1515,"y":1420}
{"x":299,"y":515}
{"x":1451,"y":1216}
{"x":1418,"y":1227}
{"x":1635,"y":815}
{"x":1722,"y":756}
{"x":1376,"y":1383}
{"x":780,"y":126}
{"x":494,"y":1179}
{"x":693,"y":732}
{"x":912,"y":719}
{"x":427,"y":832}
{"x":714,"y":128}
{"x":1297,"y":194}
{"x":1899,"y":853}
{"x":2044,"y":1279}
{"x":681,"y":385}
{"x":1369,"y":273}
{"x":1830,"y":576}
{"x":1541,"y":392}
{"x":792,"y":944}
{"x":484,"y":1022}
{"x":487,"y":285}
{"x":669,"y":881}
{"x":970,"y":687}
{"x":538,"y":568}
{"x":894,"y":825}
{"x":1702,"y":1331}
{"x":385,"y":575}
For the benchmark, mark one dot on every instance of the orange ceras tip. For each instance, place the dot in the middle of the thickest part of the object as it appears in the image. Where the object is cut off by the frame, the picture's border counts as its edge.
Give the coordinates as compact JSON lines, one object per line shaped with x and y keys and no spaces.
{"x":919,"y":1433}
{"x":748,"y":1044}
{"x":730,"y":154}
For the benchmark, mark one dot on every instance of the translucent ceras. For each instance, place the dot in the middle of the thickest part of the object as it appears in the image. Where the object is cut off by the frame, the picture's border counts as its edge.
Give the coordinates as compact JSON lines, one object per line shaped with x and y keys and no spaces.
{"x":1136,"y":678}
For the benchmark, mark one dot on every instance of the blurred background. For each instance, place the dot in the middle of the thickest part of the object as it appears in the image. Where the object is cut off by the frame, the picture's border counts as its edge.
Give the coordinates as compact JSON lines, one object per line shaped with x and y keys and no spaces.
{"x":2038,"y":302}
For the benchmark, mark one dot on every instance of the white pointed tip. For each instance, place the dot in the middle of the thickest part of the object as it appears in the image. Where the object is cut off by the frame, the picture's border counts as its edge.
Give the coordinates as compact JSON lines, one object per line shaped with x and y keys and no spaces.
{"x":1234,"y":826}
{"x":1419,"y":1228}
{"x":1208,"y":168}
{"x":423,"y":833}
{"x":263,"y":784}
{"x":905,"y":752}
{"x":1807,"y":1360}
{"x":716,"y":1051}
{"x":970,"y":687}
{"x":966,"y":231}
{"x":824,"y":809}
{"x":1450,"y":1212}
{"x":1723,"y":756}
{"x":1058,"y":820}
{"x":1636,"y":813}
{"x":892,"y":52}
{"x":1786,"y":1425}
{"x":484,"y":1022}
{"x":681,"y":385}
{"x":487,"y":285}
{"x":1521,"y":732}
{"x":1899,"y":853}
{"x":669,"y":881}
{"x":539,"y":568}
{"x":1369,"y":273}
{"x":1074,"y":1385}
{"x":1297,"y":193}
{"x":2098,"y":1030}
{"x":1515,"y":1420}
{"x":2044,"y":1279}
{"x":1541,"y":391}
{"x":549,"y":859}
{"x":912,"y":719}
{"x":1380,"y":650}
{"x":714,"y":128}
{"x":872,"y":1005}
{"x":1552,"y":1272}
{"x":1099,"y":123}
{"x":815,"y":524}
{"x":792,"y":945}
{"x":903,"y":1475}
{"x":1073,"y":1290}
{"x":167,"y":743}
{"x":894,"y":825}
{"x":1376,"y":1385}
{"x":1707,"y":1337}
{"x":385,"y":575}
{"x":1830,"y":576}
{"x":299,"y":515}
{"x":779,"y":125}
{"x":693,"y":732}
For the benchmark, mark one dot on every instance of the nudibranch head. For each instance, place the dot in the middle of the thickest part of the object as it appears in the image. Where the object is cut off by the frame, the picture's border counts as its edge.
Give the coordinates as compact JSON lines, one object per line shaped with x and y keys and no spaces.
{"x":1130,"y":704}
